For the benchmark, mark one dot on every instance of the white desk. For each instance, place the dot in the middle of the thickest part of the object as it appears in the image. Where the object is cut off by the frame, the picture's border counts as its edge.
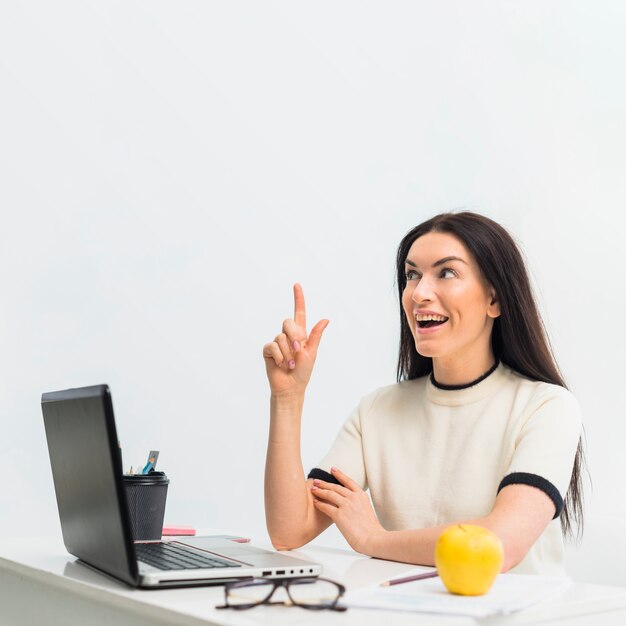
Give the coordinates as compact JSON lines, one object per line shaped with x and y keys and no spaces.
{"x":40,"y":583}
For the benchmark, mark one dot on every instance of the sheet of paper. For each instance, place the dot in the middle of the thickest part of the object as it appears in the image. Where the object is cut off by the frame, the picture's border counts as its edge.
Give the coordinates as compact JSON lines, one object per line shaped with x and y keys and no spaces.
{"x":509,"y":593}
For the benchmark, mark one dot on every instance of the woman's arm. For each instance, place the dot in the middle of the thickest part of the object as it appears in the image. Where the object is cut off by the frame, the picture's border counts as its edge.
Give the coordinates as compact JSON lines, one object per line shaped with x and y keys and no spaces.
{"x":291,"y":518}
{"x":290,"y":515}
{"x":519,"y":516}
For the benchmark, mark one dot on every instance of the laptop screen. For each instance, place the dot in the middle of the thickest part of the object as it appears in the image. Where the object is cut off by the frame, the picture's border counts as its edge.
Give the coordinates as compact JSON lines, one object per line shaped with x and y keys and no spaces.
{"x":87,"y":472}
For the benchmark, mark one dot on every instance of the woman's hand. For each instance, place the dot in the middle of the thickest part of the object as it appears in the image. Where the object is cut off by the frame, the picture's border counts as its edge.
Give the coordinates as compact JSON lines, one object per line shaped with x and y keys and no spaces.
{"x":350,"y":508}
{"x":289,"y":359}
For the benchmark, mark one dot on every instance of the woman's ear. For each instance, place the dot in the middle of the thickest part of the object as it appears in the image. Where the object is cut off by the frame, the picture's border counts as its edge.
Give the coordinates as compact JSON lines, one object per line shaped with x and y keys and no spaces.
{"x":493,"y":310}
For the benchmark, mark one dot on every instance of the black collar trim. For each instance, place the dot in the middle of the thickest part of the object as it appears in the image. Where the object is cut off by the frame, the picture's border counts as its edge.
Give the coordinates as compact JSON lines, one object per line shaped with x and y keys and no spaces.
{"x":464,"y":385}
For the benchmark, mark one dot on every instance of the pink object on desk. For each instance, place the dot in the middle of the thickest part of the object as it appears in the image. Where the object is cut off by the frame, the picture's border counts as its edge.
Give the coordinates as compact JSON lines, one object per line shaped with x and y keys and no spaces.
{"x":178,"y":530}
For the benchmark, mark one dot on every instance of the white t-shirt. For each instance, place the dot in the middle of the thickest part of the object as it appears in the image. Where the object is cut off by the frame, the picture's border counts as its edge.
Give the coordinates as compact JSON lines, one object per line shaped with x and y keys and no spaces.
{"x":432,"y":456}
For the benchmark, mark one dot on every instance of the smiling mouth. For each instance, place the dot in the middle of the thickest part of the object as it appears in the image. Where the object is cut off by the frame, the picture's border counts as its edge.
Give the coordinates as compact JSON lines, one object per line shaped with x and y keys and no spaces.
{"x":428,"y":321}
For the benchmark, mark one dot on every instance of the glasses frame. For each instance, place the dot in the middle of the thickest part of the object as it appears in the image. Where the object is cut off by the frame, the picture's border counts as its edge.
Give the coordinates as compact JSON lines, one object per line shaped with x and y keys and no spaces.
{"x":277,"y":583}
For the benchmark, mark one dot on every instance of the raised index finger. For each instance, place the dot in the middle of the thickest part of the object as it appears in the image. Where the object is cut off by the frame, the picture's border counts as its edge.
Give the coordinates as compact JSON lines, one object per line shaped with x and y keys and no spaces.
{"x":299,"y":315}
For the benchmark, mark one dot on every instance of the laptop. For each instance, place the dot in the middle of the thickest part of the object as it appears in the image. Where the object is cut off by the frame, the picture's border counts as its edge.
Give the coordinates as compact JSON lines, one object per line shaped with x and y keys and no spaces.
{"x":87,"y":471}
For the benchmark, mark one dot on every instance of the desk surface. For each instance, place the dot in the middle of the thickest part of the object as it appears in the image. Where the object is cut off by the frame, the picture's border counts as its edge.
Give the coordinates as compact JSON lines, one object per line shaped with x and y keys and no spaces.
{"x":41,"y":583}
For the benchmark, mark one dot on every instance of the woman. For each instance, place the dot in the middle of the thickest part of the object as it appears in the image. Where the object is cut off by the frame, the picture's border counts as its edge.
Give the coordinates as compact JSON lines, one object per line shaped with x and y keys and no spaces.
{"x":479,"y":429}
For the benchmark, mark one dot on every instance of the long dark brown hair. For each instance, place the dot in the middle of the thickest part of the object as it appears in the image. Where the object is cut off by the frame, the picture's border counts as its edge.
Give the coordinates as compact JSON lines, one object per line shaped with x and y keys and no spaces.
{"x":518,"y":338}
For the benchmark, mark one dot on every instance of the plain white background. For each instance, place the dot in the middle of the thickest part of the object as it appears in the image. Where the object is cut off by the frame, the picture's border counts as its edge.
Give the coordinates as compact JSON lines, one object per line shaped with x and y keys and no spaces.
{"x":169,"y":169}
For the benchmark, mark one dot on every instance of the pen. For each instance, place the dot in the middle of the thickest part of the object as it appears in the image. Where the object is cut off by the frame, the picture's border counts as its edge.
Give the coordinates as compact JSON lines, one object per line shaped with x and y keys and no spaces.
{"x":408,"y":579}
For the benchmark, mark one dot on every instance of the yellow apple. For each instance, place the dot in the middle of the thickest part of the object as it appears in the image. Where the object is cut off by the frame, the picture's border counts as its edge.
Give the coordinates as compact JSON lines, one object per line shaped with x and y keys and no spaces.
{"x":468,"y":559}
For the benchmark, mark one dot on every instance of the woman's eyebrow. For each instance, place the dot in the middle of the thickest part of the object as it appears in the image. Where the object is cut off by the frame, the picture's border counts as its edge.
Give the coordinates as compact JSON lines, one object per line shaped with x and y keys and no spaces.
{"x":446,"y":259}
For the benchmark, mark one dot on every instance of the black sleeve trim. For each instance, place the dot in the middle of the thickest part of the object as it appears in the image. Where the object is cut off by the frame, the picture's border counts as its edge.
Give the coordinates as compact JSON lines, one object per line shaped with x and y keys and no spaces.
{"x":533,"y":480}
{"x":322,"y":475}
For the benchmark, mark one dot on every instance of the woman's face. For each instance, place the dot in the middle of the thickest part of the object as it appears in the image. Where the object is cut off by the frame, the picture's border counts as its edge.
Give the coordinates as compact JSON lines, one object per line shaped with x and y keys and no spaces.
{"x":449,"y":306}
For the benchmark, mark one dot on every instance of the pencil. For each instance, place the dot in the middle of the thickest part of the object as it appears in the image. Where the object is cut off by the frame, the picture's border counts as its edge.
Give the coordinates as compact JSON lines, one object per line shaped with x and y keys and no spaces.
{"x":408,"y":579}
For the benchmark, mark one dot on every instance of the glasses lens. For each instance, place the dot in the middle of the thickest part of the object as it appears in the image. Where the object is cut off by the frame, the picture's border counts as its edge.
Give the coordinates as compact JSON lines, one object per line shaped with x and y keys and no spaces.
{"x":313,"y":592}
{"x":251,"y":593}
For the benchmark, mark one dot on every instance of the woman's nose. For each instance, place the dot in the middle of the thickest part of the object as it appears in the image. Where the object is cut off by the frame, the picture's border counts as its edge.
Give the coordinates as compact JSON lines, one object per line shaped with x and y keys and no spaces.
{"x":423,"y":291}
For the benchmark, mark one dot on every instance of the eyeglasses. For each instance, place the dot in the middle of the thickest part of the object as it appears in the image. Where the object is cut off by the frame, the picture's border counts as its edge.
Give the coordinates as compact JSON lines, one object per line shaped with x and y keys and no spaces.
{"x":308,"y":593}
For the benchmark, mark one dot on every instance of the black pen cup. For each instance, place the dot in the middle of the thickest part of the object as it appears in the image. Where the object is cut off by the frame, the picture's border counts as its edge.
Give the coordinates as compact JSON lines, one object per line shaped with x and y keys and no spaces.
{"x":146,"y":495}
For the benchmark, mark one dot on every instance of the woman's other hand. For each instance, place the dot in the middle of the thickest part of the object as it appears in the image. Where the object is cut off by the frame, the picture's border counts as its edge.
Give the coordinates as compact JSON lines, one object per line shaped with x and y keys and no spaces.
{"x":350,"y":508}
{"x":289,"y":359}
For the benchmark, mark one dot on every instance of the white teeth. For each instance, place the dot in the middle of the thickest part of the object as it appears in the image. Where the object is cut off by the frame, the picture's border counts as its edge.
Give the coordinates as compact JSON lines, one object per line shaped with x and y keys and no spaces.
{"x":430,"y":318}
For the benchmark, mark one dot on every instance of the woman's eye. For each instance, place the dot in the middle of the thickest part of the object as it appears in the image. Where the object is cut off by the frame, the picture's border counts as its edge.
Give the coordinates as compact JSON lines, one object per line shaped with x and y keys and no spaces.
{"x":447,"y":273}
{"x":411,"y":275}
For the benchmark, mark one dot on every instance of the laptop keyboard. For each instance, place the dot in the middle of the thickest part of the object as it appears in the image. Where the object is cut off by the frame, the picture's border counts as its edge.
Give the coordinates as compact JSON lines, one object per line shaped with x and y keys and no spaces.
{"x":171,"y":556}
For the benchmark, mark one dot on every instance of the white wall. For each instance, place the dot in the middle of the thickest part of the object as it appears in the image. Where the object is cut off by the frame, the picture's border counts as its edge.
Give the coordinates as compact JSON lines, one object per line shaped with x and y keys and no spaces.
{"x":169,"y":169}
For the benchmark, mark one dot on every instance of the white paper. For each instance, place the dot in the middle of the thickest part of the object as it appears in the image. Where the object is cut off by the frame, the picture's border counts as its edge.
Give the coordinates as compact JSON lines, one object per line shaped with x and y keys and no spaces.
{"x":509,"y":593}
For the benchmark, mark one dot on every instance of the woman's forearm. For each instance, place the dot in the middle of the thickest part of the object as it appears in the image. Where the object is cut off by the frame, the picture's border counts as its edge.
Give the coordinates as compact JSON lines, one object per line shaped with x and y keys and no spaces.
{"x":415,"y":546}
{"x":520,"y":515}
{"x":287,"y":501}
